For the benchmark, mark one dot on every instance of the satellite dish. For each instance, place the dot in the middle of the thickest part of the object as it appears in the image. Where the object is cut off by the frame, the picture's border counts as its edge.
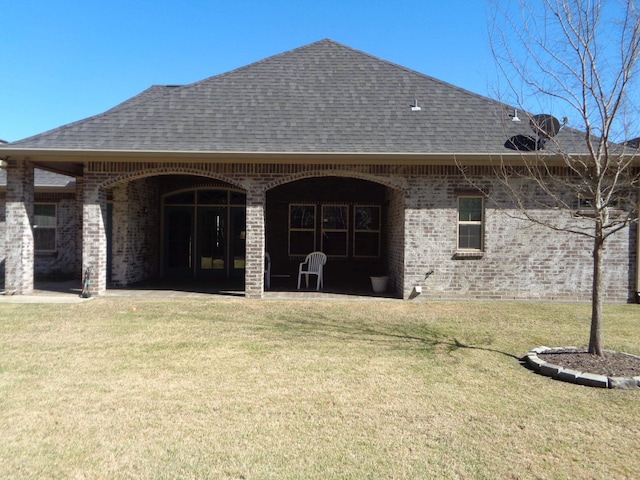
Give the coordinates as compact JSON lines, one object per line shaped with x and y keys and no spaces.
{"x":545,"y":125}
{"x":522,"y":143}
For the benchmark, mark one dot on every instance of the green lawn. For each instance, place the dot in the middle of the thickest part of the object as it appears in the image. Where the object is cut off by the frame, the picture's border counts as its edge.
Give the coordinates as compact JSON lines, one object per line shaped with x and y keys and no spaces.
{"x":240,"y":389}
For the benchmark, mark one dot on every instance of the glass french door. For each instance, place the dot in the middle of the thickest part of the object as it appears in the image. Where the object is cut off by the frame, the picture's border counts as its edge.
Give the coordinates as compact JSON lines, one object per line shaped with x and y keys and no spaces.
{"x":204,"y":241}
{"x":179,"y":238}
{"x":211,"y":247}
{"x":237,"y":247}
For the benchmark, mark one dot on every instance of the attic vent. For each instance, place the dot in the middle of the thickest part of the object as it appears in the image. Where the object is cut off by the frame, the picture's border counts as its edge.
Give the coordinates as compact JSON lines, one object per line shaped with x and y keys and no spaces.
{"x":414,"y":106}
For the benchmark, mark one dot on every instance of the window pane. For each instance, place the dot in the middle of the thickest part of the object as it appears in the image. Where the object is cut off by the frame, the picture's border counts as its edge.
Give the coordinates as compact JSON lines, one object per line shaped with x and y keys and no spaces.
{"x":302,"y":216}
{"x":367,"y":218}
{"x":238,"y":198}
{"x":44,"y":215}
{"x":179,"y":228}
{"x":44,"y":227}
{"x":183,"y":198}
{"x":470,"y":237}
{"x":334,"y":217}
{"x":470,"y":209}
{"x":334,"y":243}
{"x":366,"y":244}
{"x":584,"y":203}
{"x":212,"y":197}
{"x":44,"y":239}
{"x":301,"y":243}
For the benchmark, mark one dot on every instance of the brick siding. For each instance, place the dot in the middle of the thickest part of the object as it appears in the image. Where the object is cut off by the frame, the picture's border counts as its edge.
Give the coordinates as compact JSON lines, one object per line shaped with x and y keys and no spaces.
{"x":521,"y":260}
{"x":136,"y":231}
{"x":19,"y":247}
{"x":61,"y":264}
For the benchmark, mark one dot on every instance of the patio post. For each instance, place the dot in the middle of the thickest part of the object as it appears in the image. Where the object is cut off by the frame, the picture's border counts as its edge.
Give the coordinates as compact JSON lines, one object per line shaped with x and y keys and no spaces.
{"x":254,"y":261}
{"x":19,"y":265}
{"x":94,"y":235}
{"x":79,"y":202}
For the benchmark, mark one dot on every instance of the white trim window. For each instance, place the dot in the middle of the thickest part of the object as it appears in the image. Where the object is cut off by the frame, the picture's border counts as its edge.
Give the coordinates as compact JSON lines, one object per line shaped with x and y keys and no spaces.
{"x":44,"y":227}
{"x":470,"y":223}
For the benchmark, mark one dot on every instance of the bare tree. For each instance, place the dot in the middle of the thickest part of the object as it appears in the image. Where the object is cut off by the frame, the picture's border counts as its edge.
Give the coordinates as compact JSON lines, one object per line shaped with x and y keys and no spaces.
{"x":579,"y":58}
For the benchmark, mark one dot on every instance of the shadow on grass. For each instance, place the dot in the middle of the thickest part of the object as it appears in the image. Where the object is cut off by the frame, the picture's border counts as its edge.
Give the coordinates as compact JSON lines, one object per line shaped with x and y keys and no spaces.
{"x":430,"y":339}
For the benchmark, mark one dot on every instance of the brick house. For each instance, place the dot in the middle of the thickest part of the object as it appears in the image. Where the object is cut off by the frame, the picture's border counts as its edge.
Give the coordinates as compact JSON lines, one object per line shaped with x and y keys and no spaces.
{"x":319,"y":148}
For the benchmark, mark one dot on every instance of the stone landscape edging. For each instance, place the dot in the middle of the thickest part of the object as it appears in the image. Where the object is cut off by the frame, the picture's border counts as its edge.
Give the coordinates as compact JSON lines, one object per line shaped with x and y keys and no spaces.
{"x":573,"y":376}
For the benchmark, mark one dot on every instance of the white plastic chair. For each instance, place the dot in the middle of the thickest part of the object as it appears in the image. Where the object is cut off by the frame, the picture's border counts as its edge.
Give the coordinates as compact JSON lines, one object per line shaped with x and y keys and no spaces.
{"x":312,"y":266}
{"x":267,"y":270}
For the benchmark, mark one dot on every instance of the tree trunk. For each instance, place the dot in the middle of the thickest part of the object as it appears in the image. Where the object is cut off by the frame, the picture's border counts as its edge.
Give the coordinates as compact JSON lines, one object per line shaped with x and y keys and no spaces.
{"x":596,"y":341}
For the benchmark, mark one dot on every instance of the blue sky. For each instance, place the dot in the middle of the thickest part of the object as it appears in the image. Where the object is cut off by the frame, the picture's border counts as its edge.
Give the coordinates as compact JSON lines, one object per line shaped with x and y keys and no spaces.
{"x":66,"y":60}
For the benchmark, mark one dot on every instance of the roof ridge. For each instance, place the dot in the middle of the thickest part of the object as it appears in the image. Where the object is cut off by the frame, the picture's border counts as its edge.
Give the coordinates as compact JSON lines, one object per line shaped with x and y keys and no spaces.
{"x":258,"y":62}
{"x":414,"y":72}
{"x":424,"y":75}
{"x":351,"y":49}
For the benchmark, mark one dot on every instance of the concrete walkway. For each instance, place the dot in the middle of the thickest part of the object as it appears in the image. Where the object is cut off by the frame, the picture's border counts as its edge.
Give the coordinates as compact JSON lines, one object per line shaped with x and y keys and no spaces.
{"x":69,"y":292}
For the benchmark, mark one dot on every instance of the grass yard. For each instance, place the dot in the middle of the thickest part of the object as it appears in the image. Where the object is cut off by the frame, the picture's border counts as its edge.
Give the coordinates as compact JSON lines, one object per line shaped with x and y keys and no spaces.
{"x":241,"y":389}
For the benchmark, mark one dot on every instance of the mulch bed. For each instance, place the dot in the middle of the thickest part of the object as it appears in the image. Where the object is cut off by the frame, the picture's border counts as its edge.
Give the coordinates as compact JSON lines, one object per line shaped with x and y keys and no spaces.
{"x":613,"y":364}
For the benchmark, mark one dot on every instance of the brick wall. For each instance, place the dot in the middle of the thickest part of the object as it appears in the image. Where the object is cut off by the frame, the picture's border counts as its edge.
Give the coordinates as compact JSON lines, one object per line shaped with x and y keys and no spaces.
{"x":61,"y":264}
{"x":94,"y":236}
{"x":3,"y":234}
{"x":521,"y":260}
{"x":136,"y":231}
{"x":394,"y":232}
{"x":19,"y":246}
{"x":254,"y":270}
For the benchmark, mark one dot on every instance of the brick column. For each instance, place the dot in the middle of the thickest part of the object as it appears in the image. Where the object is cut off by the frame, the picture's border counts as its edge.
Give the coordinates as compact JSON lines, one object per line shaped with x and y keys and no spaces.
{"x":77,"y":265}
{"x":19,"y":264}
{"x":254,"y":270}
{"x":119,"y":235}
{"x":415,"y":241}
{"x":395,"y":239}
{"x":94,"y":235}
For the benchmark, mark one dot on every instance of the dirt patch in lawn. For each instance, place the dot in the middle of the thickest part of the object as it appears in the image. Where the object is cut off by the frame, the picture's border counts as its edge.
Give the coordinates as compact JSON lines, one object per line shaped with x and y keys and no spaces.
{"x":612,"y":364}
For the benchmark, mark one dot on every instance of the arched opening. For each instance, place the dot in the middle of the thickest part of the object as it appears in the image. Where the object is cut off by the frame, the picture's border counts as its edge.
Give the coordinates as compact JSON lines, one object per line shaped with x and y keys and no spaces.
{"x":176,"y":229}
{"x":357,"y":223}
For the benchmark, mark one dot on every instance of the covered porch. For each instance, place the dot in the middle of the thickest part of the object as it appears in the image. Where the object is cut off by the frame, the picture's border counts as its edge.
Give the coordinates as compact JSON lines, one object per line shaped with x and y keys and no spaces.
{"x":206,"y":234}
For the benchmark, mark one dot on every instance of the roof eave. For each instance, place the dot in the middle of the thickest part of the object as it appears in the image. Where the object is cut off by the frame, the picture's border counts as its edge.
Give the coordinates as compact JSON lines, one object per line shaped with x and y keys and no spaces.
{"x":396,"y":158}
